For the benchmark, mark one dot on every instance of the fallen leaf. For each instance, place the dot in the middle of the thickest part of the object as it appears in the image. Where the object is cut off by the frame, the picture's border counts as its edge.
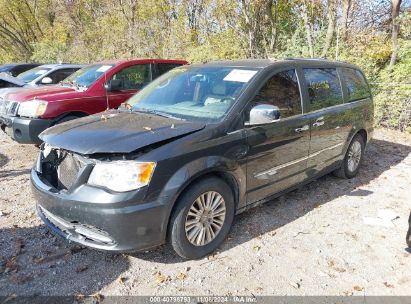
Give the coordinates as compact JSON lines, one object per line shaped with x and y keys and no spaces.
{"x":81,"y":268}
{"x":358,"y":288}
{"x":339,"y":269}
{"x":12,"y":264}
{"x":79,"y":296}
{"x":160,"y":278}
{"x":181,"y":276}
{"x":388,"y":285}
{"x":122,"y":280}
{"x":256,"y":248}
{"x":98,"y":297}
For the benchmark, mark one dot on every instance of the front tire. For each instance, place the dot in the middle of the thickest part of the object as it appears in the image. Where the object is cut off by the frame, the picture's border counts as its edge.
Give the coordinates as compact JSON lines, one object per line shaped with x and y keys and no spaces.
{"x":202,"y":218}
{"x":353,"y":158}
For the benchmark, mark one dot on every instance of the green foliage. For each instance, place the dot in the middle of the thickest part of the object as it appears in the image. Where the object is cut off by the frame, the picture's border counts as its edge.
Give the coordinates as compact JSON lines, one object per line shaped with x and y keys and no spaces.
{"x":87,"y":31}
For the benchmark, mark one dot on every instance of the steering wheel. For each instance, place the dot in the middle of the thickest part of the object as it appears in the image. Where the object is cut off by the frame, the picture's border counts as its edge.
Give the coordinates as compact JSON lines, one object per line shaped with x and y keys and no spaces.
{"x":230,"y":99}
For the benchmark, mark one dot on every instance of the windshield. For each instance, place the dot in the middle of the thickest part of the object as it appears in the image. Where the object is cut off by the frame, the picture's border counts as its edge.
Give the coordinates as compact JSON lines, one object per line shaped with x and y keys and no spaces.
{"x":205,"y":93}
{"x":5,"y":68}
{"x":87,"y":76}
{"x":32,"y":74}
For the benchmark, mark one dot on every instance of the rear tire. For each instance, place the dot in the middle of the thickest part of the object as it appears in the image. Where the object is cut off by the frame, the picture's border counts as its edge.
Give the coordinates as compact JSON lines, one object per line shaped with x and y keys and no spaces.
{"x":352,"y":159}
{"x":202,"y":218}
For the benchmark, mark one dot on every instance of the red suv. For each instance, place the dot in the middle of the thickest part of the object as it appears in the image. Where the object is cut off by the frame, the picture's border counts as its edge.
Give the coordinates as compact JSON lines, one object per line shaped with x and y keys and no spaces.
{"x":90,"y":90}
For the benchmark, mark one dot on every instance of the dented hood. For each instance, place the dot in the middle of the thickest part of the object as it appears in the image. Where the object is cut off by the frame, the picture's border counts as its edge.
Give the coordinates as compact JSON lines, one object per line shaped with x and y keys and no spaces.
{"x":116,"y":132}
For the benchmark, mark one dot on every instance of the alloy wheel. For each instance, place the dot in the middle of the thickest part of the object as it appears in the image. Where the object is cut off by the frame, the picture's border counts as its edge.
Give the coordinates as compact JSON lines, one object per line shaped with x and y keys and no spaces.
{"x":354,"y":156}
{"x":205,"y":218}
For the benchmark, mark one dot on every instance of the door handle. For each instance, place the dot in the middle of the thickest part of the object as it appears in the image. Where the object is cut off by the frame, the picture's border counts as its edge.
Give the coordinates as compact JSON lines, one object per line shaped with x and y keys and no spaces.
{"x":302,"y":129}
{"x":318,"y":122}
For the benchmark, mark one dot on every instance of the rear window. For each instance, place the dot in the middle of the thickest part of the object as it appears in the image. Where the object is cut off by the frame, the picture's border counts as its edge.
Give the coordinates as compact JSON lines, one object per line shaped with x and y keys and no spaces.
{"x":356,"y":85}
{"x":324,"y":88}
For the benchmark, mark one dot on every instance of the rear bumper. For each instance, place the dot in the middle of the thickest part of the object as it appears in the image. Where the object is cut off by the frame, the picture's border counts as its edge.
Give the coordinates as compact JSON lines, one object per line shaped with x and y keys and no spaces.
{"x":24,"y":130}
{"x":119,"y":222}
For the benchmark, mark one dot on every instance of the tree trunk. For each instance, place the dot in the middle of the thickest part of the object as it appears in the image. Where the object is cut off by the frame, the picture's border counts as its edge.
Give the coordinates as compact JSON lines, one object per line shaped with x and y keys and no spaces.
{"x":332,"y":16}
{"x":304,"y":15}
{"x":344,"y":19}
{"x":272,"y":22}
{"x":395,"y":29}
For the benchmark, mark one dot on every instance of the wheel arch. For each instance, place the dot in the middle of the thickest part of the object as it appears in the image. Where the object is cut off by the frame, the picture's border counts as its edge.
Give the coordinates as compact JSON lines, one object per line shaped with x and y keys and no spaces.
{"x":228,"y":177}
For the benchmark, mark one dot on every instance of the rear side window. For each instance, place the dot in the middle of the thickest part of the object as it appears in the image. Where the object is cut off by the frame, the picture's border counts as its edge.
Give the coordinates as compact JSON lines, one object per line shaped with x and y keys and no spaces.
{"x":324,"y":88}
{"x":282,"y":91}
{"x":356,"y":85}
{"x":165,"y":67}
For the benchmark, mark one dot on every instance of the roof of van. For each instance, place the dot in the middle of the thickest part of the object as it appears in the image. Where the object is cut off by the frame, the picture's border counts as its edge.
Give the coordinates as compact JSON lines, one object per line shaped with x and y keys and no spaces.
{"x":262,"y":63}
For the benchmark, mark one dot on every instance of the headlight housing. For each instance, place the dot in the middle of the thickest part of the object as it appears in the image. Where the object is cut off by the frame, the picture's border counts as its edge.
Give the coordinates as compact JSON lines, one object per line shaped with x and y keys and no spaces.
{"x":122,"y":176}
{"x":32,"y":108}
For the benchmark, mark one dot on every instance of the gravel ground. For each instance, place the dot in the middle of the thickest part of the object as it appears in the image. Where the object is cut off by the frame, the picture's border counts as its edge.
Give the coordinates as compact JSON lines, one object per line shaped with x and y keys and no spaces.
{"x":312,"y":241}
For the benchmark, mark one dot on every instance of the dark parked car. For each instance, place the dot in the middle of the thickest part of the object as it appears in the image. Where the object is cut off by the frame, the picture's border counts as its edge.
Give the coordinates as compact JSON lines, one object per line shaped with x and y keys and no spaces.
{"x":14,"y":69}
{"x":24,"y":114}
{"x":200,"y":144}
{"x":408,"y":237}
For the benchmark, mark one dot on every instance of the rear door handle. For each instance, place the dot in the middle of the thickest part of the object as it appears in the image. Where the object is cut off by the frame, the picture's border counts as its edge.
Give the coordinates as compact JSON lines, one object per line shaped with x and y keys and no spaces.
{"x":318,"y":122}
{"x":302,"y":129}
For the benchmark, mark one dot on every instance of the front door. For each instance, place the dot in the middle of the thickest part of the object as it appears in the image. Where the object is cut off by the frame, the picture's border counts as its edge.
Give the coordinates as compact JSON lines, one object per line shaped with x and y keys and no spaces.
{"x":278,"y":150}
{"x":133,"y":79}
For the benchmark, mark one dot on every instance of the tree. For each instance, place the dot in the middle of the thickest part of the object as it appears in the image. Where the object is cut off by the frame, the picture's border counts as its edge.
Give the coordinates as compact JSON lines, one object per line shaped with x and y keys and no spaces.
{"x":331,"y":16}
{"x":396,"y":4}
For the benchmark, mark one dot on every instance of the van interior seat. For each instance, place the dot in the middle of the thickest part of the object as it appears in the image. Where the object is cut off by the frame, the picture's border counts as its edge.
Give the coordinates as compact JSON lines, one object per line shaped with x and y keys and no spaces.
{"x":218,"y":93}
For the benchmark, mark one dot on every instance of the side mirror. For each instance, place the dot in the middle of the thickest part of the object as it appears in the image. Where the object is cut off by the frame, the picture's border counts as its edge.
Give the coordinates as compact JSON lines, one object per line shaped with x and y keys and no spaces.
{"x":263,"y":114}
{"x":46,"y":80}
{"x":113,"y":85}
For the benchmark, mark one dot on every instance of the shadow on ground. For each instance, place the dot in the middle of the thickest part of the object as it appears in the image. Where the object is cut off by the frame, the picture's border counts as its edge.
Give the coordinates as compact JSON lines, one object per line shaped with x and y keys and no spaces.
{"x":35,"y":262}
{"x":9,"y":174}
{"x":3,"y":160}
{"x":52,"y":266}
{"x":380,"y":156}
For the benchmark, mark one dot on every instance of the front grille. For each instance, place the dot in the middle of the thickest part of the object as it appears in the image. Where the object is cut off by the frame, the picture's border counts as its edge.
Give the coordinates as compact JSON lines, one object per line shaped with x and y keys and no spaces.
{"x":8,"y":107}
{"x":67,"y":169}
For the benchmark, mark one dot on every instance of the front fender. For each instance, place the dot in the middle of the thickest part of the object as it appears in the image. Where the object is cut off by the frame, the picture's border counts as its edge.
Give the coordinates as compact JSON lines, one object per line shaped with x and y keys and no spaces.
{"x":198,"y":168}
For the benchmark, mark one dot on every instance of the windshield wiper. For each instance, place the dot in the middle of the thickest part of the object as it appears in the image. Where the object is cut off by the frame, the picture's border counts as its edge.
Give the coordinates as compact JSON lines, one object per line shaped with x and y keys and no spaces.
{"x":155,"y":112}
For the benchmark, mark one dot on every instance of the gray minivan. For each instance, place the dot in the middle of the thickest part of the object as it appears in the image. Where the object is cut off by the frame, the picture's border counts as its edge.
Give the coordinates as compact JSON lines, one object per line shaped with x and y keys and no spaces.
{"x":198,"y":145}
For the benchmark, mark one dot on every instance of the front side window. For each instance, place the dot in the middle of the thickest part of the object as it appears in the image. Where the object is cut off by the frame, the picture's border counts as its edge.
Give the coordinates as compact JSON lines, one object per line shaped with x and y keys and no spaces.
{"x":87,"y":76}
{"x":196,"y":93}
{"x":282,"y":91}
{"x":59,"y":75}
{"x":32,"y":74}
{"x":356,"y":85}
{"x":324,"y":88}
{"x":134,"y":77}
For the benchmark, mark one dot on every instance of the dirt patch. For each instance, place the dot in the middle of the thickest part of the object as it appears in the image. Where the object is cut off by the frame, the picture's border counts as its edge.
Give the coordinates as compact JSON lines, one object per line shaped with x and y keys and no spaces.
{"x":312,"y":241}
